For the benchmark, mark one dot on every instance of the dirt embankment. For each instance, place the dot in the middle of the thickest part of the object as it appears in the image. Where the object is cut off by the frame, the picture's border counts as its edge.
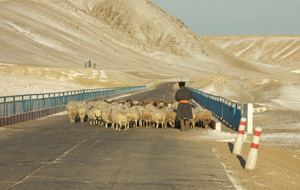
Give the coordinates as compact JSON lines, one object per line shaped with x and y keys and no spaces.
{"x":276,"y":168}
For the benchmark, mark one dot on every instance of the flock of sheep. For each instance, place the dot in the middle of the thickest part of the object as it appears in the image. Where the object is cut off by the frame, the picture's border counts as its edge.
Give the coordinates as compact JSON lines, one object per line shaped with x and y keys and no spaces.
{"x":128,"y":114}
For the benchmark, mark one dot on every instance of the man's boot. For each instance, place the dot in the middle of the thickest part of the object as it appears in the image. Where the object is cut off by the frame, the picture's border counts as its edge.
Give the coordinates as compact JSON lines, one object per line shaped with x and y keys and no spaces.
{"x":182,"y":126}
{"x":187,"y":125}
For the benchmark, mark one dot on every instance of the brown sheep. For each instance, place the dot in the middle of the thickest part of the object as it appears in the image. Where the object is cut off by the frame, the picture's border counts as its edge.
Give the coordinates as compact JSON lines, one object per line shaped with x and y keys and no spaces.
{"x":205,"y":117}
{"x":171,"y":118}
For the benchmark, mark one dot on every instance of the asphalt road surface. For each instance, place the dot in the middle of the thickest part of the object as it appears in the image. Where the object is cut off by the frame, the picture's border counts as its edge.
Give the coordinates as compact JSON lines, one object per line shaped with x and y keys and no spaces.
{"x":51,"y":153}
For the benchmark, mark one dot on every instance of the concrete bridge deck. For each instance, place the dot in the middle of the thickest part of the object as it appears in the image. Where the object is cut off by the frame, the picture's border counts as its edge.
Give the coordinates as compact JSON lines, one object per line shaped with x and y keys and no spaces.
{"x":51,"y":153}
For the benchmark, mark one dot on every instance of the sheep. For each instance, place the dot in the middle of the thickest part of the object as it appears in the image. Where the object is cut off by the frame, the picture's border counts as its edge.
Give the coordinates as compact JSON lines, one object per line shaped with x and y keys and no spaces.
{"x":72,"y":113}
{"x":175,"y":105}
{"x":171,"y":118}
{"x":90,"y":115}
{"x":140,"y":110}
{"x":94,"y":115}
{"x":147,"y":115}
{"x":102,"y":104}
{"x":143,"y":113}
{"x":71,"y":103}
{"x":196,"y":117}
{"x":119,"y":117}
{"x":71,"y":108}
{"x":82,"y":112}
{"x":159,"y":117}
{"x":107,"y":116}
{"x":133,"y":114}
{"x":205,"y":117}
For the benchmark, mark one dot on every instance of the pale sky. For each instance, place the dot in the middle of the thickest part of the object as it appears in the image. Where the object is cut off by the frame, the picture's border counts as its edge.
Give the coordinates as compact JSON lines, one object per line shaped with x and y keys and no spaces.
{"x":222,"y":17}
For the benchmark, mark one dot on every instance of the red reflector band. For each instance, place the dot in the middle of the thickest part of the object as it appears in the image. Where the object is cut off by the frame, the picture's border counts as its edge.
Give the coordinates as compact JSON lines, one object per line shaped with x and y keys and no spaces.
{"x":253,"y":145}
{"x":257,"y":133}
{"x":240,"y":131}
{"x":243,"y":123}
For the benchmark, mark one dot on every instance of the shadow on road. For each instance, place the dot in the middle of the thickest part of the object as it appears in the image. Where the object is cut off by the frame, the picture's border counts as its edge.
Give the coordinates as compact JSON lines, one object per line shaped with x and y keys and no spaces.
{"x":242,"y":160}
{"x":230,"y":145}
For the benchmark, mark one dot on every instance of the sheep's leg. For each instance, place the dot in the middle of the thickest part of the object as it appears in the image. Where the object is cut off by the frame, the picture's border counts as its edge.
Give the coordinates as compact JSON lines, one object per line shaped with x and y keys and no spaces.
{"x":112,"y":125}
{"x":136,"y":122}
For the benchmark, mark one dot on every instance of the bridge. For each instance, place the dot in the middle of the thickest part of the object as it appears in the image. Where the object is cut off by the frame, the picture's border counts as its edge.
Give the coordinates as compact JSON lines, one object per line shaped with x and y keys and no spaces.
{"x":52,"y":153}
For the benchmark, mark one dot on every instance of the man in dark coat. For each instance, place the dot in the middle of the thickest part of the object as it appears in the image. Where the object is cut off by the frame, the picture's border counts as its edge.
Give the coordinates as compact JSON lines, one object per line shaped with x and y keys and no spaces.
{"x":184,"y":109}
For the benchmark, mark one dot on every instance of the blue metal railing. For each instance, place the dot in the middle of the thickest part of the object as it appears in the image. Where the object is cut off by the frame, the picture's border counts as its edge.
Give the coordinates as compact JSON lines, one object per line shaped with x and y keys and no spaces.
{"x":227,"y":111}
{"x":12,"y":105}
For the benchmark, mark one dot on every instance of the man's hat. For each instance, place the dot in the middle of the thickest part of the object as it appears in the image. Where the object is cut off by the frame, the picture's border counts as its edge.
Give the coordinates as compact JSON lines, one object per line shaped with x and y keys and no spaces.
{"x":181,"y":83}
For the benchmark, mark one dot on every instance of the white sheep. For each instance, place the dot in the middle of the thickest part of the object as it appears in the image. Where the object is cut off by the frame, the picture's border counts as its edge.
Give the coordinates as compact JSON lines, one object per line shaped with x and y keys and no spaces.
{"x":82,"y":112}
{"x":107,"y":116}
{"x":94,"y":115}
{"x":72,"y":113}
{"x":133,"y":114}
{"x":119,"y":118}
{"x":196,"y":117}
{"x":159,"y":117}
{"x":71,"y":108}
{"x":147,"y":115}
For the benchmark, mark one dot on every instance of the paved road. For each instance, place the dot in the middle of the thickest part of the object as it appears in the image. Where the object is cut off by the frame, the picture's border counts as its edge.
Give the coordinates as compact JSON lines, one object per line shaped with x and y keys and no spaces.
{"x":51,"y":153}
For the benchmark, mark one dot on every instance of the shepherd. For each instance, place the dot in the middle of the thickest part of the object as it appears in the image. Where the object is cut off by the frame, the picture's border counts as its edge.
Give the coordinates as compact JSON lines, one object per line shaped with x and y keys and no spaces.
{"x":184,"y":109}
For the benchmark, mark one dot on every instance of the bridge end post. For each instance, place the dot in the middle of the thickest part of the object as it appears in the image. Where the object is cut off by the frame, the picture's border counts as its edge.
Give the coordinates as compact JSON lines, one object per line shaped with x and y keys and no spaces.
{"x":248,"y":113}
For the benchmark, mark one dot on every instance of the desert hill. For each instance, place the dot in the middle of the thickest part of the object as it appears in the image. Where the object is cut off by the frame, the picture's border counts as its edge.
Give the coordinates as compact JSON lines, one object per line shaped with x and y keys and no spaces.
{"x":114,"y":34}
{"x":281,"y":50}
{"x":141,"y":44}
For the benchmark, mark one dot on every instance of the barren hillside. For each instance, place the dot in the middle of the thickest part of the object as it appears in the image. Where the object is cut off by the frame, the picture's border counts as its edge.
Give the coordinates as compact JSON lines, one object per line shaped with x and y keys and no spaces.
{"x":140,"y":43}
{"x":114,"y":34}
{"x":281,"y":50}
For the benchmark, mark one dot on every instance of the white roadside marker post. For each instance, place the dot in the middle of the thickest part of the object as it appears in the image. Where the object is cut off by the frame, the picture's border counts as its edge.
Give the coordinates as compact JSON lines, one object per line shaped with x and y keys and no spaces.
{"x":252,"y":155}
{"x":237,"y":149}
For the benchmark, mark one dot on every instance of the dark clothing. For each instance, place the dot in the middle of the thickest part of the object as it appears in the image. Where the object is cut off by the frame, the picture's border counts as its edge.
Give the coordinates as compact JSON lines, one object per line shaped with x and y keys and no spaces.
{"x":184,"y":110}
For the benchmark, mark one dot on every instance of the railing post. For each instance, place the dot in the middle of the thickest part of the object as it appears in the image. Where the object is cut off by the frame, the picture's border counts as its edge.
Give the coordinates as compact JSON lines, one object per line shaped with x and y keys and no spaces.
{"x":24,"y":106}
{"x":4,"y":107}
{"x":37,"y":100}
{"x":49,"y":100}
{"x":43,"y":101}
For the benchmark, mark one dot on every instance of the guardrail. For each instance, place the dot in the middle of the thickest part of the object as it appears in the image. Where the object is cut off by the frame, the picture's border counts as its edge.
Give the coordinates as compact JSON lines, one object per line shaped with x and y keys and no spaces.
{"x":227,"y":111}
{"x":24,"y":107}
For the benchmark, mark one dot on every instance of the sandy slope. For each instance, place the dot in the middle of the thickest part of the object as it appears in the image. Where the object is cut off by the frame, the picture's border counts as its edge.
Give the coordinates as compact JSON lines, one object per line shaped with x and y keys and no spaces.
{"x":44,"y":45}
{"x":272,"y":49}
